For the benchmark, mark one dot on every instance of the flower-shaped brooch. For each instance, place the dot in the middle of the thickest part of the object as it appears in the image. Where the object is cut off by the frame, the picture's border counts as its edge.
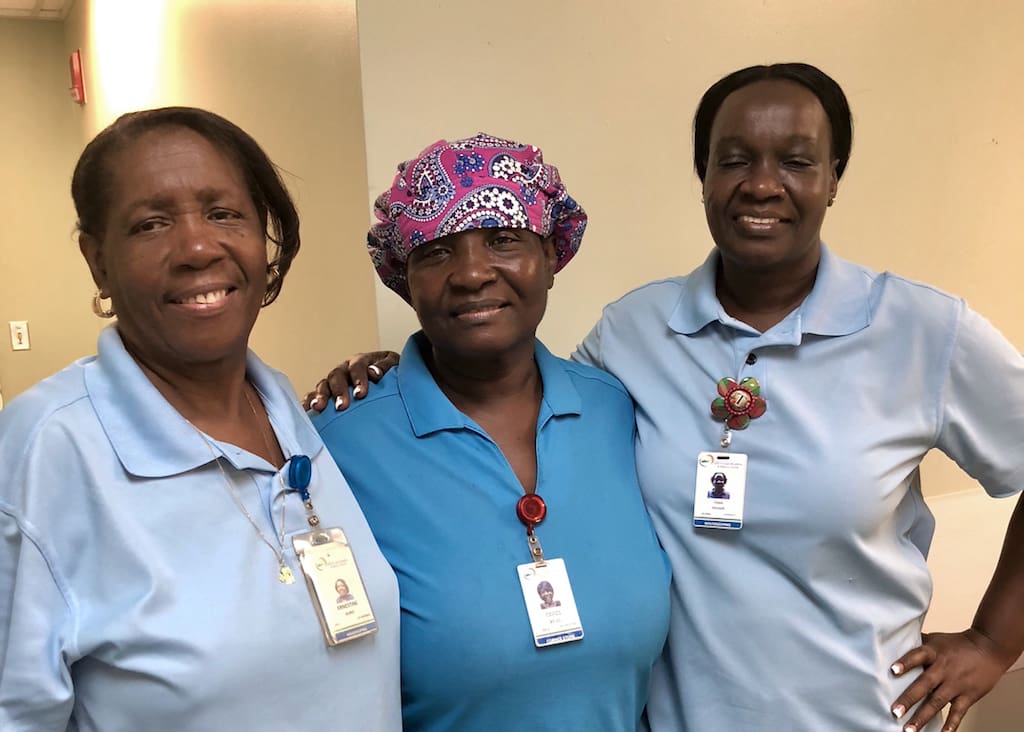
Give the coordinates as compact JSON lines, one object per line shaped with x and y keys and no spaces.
{"x":738,"y":403}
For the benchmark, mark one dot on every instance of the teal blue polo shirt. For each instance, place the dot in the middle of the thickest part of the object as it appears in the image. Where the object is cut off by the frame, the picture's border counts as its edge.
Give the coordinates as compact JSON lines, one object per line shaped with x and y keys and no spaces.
{"x":440,"y":498}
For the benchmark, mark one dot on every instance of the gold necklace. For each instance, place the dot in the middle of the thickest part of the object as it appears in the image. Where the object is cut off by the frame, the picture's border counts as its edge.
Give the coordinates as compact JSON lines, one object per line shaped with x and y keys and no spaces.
{"x":284,"y":575}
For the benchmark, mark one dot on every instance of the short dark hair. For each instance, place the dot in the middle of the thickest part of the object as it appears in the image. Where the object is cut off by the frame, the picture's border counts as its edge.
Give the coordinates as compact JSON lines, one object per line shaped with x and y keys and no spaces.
{"x":823,"y":86}
{"x":92,"y":180}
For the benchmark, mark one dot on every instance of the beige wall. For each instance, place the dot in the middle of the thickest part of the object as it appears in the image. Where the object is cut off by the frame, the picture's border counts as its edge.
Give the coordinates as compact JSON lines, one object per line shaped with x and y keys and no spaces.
{"x":42,"y":277}
{"x":1001,"y":710}
{"x":608,"y":90}
{"x":287,"y":72}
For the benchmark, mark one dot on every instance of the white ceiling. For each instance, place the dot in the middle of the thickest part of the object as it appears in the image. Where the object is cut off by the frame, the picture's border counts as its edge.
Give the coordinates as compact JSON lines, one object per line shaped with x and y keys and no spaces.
{"x":35,"y":9}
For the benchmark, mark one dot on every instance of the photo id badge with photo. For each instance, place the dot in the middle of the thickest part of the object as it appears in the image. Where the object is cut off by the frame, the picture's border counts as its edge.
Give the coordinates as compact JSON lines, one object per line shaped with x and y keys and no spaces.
{"x":720,"y":490}
{"x":335,"y":585}
{"x":550,"y":603}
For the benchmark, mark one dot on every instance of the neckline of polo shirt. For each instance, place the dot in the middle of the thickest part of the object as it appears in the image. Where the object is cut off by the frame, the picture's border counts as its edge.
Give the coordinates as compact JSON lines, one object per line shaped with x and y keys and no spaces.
{"x":149,"y":436}
{"x":697,"y":304}
{"x":283,"y":407}
{"x":838,"y":304}
{"x":427,"y":407}
{"x":560,"y":394}
{"x":429,"y":410}
{"x":840,"y":301}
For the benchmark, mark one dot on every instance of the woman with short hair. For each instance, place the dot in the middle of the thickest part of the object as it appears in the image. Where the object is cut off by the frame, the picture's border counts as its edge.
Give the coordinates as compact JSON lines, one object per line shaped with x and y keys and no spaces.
{"x":167,"y":510}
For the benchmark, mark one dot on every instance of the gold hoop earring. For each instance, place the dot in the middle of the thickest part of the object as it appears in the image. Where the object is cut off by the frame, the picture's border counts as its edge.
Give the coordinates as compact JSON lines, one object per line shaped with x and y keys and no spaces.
{"x":98,"y":309}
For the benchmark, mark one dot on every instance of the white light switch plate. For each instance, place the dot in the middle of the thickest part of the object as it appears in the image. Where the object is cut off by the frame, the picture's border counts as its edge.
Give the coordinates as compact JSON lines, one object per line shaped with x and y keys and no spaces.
{"x":19,"y":335}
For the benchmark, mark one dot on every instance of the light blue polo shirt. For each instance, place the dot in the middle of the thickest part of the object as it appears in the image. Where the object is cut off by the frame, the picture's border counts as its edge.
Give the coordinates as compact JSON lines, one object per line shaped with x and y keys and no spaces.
{"x":792,"y":622}
{"x":441,"y":499}
{"x":135,"y":595}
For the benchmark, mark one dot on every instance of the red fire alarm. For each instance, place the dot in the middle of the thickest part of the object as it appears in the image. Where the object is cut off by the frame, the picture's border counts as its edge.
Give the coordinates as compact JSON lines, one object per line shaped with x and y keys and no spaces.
{"x":77,"y":85}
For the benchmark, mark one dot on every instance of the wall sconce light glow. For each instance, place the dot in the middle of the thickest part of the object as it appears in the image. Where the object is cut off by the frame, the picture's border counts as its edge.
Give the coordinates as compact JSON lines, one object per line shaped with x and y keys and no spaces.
{"x":128,"y":38}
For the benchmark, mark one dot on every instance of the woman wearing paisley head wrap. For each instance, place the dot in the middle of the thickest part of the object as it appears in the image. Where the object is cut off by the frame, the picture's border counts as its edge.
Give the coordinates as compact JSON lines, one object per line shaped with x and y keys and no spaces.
{"x":480,"y":431}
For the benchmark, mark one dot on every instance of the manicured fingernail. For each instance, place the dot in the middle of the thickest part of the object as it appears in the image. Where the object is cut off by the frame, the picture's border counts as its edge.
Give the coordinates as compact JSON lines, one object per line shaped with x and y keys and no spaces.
{"x":896,"y":668}
{"x":315,"y":402}
{"x":910,"y":728}
{"x":337,"y":404}
{"x":358,"y":390}
{"x":375,"y":370}
{"x":898,"y":711}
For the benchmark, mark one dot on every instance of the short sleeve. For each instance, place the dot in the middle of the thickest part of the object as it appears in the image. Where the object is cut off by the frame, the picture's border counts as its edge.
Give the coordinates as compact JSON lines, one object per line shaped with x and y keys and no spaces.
{"x":982,"y":417}
{"x":36,"y":623}
{"x":35,"y":681}
{"x":589,"y":351}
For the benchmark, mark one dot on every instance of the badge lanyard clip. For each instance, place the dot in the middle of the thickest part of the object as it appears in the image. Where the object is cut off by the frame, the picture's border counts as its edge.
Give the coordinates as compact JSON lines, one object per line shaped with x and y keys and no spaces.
{"x":536,"y":551}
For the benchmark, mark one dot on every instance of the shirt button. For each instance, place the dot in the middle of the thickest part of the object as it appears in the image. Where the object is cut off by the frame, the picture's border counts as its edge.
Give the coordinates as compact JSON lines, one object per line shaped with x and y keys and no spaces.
{"x":751,"y":358}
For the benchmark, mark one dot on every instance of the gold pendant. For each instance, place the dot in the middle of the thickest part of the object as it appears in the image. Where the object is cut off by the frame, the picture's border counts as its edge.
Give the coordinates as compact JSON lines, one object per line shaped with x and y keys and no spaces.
{"x":285,"y":576}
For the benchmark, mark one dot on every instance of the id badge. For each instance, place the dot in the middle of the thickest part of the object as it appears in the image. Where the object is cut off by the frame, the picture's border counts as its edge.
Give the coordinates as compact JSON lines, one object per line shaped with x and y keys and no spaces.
{"x":720,"y":490}
{"x":335,"y":585}
{"x":550,"y":603}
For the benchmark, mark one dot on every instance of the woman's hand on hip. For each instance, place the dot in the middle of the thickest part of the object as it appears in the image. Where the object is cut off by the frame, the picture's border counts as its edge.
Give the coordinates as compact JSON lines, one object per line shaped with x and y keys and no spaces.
{"x":959,"y":669}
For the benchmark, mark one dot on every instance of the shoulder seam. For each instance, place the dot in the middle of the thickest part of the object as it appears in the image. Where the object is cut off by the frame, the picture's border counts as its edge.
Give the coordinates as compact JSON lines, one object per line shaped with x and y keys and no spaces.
{"x":675,"y":280}
{"x":600,"y":377}
{"x":353,"y":407}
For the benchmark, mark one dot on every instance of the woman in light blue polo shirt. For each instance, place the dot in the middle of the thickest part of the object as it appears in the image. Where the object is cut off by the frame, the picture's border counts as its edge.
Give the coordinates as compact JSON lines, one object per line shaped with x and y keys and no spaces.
{"x":493,"y":473}
{"x":798,"y":603}
{"x":166,"y":509}
{"x":822,"y":385}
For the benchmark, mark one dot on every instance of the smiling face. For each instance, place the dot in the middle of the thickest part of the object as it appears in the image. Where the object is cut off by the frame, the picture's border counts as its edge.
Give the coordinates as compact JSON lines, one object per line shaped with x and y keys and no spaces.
{"x":341,"y":588}
{"x":182,"y":254}
{"x":481,"y":294}
{"x":770,"y":177}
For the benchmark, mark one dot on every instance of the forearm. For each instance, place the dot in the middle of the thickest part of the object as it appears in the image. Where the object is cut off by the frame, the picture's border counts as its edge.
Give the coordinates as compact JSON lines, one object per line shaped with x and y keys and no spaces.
{"x":1000,"y":616}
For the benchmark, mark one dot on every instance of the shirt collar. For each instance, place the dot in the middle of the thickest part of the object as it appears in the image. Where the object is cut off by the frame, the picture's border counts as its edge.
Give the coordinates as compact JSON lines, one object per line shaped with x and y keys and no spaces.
{"x":698,"y":304}
{"x":430,"y":410}
{"x":838,"y":304}
{"x":152,"y":439}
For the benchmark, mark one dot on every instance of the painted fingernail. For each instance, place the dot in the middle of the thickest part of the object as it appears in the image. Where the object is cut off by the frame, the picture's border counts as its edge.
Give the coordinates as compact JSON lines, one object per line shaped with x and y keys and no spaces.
{"x":910,"y":728}
{"x":337,"y":404}
{"x":896,"y":668}
{"x":375,"y":370}
{"x":315,"y":402}
{"x":898,"y":711}
{"x":358,"y":390}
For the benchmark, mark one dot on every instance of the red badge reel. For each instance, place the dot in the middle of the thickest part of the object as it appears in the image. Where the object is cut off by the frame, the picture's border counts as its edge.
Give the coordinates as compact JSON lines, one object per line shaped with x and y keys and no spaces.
{"x":531,"y":510}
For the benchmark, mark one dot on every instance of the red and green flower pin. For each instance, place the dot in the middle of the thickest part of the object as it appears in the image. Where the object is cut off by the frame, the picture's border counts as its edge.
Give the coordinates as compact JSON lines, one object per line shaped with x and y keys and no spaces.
{"x":738,"y":402}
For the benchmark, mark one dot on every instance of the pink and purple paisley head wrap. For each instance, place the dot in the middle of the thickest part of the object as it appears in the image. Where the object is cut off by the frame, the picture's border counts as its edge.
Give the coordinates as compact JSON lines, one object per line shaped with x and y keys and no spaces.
{"x":477,"y":183}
